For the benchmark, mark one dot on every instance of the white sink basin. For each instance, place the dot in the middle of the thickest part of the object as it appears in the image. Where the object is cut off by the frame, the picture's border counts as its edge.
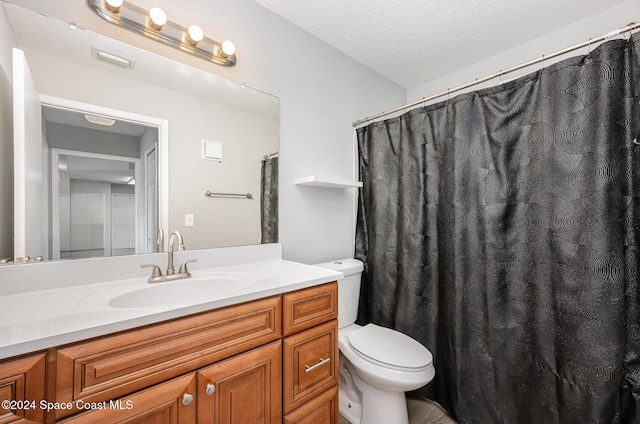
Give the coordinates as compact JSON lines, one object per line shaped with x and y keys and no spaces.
{"x":199,"y":288}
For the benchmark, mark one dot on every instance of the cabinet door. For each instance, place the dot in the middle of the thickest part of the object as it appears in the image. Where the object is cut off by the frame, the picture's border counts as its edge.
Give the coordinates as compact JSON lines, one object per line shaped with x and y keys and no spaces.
{"x":22,"y":385}
{"x":244,"y":389}
{"x":310,"y":363}
{"x":173,"y":402}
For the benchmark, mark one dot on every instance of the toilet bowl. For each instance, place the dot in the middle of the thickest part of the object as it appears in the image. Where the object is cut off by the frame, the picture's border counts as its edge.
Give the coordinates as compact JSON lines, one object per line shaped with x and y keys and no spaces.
{"x":377,"y":364}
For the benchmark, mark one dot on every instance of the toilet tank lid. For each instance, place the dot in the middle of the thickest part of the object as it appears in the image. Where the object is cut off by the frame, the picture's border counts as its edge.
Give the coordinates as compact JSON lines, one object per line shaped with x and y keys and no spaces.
{"x":345,"y":266}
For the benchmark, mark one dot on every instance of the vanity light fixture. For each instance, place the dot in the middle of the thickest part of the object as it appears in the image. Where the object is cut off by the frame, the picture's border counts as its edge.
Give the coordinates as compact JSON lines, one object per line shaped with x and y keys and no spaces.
{"x":228,"y":48}
{"x":113,"y":5}
{"x":195,"y":35}
{"x":157,"y":18}
{"x":154,"y":24}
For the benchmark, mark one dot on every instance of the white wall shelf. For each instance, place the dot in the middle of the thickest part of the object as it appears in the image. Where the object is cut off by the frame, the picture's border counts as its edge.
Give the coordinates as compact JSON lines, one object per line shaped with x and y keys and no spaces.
{"x":314,"y":181}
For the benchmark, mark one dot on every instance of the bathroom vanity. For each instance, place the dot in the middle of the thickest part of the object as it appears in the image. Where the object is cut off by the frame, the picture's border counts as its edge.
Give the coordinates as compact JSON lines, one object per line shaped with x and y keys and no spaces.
{"x":264,"y":352}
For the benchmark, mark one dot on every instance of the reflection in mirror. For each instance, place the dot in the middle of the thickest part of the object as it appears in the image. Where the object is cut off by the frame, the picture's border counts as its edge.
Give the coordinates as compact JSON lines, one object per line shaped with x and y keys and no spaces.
{"x":103,"y":185}
{"x":198,"y":109}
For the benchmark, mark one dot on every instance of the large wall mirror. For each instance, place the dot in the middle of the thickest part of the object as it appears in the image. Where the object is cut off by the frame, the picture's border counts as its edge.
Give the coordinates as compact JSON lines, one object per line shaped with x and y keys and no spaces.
{"x":110,"y":147}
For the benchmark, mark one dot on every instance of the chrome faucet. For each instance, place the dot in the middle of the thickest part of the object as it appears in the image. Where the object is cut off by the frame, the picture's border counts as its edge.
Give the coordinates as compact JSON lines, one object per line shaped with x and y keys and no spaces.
{"x":172,"y":238}
{"x":183,"y":272}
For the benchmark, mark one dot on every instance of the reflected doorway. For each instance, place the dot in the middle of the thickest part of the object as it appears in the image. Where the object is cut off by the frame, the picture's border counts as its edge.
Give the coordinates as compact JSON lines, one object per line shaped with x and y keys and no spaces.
{"x":104,"y":188}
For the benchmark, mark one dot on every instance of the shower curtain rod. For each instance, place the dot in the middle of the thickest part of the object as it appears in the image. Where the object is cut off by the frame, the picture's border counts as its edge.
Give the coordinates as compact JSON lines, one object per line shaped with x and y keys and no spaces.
{"x":629,"y":27}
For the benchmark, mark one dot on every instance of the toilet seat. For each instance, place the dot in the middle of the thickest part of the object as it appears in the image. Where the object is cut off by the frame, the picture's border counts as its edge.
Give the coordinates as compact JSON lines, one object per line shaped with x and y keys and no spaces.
{"x":389,"y":348}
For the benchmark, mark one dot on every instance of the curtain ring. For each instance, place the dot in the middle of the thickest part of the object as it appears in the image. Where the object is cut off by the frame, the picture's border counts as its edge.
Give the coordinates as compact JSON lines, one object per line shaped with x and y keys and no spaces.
{"x":500,"y":76}
{"x":476,"y":89}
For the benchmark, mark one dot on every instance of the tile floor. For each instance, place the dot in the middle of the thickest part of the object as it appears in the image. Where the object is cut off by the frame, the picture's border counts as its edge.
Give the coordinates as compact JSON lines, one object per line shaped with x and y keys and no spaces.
{"x":422,"y":411}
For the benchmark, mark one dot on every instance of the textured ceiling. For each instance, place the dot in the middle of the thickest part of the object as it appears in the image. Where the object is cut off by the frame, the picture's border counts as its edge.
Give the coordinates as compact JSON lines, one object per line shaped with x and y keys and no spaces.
{"x":413,"y":41}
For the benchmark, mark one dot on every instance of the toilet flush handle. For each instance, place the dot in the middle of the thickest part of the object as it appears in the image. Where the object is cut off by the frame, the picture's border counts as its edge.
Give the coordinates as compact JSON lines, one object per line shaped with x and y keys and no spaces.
{"x":319,"y":364}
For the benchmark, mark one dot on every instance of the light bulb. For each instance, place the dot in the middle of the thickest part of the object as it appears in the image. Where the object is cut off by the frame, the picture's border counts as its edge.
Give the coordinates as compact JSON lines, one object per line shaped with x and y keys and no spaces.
{"x":158,"y":18}
{"x":195,"y":34}
{"x":228,"y":48}
{"x":114,"y":5}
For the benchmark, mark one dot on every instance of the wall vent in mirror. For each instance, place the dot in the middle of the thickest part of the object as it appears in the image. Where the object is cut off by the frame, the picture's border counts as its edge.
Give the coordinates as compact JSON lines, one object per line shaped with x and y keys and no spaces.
{"x":154,"y":24}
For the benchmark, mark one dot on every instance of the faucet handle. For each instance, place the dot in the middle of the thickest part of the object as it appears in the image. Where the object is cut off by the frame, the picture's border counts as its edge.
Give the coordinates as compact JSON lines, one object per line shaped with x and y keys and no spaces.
{"x":156,"y":274}
{"x":183,"y":268}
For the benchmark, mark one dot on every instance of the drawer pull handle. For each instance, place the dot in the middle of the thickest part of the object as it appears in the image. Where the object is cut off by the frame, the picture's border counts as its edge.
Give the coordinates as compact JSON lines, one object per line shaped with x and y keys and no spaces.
{"x":211,"y":389}
{"x":319,"y":364}
{"x":187,"y":399}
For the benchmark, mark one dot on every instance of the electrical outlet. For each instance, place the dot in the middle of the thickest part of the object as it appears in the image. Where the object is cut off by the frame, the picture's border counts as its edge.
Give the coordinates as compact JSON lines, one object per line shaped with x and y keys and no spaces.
{"x":189,"y":220}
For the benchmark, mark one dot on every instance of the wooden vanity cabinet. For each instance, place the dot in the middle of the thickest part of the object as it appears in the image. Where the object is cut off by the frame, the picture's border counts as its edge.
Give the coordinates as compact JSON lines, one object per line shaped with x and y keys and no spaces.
{"x":310,"y":355}
{"x":22,"y":385}
{"x":267,"y":361}
{"x":112,"y":366}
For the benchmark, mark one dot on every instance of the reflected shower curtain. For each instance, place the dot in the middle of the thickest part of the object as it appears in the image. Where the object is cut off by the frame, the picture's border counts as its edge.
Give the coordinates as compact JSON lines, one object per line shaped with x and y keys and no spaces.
{"x":501,"y":229}
{"x":269,"y":200}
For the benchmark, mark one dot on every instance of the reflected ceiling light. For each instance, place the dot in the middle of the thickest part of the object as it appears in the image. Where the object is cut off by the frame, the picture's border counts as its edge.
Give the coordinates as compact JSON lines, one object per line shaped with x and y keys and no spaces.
{"x":114,"y":5}
{"x":154,"y":24}
{"x":157,"y":18}
{"x":195,"y":35}
{"x":100,"y":120}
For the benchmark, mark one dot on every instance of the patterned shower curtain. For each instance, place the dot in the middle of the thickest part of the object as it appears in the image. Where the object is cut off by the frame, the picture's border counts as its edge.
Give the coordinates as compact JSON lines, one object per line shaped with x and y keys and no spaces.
{"x":269,"y":200}
{"x":501,"y":229}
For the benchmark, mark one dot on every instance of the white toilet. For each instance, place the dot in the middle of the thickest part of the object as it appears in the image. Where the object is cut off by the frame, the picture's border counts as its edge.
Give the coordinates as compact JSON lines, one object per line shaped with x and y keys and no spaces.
{"x":377,"y":365}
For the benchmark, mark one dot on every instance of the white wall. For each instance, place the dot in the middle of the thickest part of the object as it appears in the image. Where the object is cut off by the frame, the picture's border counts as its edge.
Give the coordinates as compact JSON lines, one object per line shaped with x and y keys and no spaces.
{"x":576,"y":33}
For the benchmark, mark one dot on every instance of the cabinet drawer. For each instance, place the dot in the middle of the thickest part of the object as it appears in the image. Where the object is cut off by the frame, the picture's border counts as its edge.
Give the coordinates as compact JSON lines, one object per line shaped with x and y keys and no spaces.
{"x":322,"y":409}
{"x":165,"y":403}
{"x":22,"y":383}
{"x":310,"y":364}
{"x":117,"y":365}
{"x":307,"y":308}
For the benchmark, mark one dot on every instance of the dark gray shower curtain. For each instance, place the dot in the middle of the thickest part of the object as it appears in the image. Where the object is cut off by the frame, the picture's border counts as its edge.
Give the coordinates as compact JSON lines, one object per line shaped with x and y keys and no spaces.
{"x":501,"y":229}
{"x":269,"y":200}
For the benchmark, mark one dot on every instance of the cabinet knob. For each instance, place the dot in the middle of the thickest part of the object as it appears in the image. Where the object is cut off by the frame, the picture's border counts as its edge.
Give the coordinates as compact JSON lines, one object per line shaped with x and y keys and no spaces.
{"x":187,"y":399}
{"x":211,"y":389}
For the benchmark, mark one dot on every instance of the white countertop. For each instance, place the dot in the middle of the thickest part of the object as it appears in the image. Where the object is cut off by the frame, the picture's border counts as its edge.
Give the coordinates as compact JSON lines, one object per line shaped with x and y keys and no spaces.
{"x":40,"y":319}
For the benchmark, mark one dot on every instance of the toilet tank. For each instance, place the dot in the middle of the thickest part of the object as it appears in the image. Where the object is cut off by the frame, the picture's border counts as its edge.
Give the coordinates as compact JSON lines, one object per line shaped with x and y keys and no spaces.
{"x":348,"y":288}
